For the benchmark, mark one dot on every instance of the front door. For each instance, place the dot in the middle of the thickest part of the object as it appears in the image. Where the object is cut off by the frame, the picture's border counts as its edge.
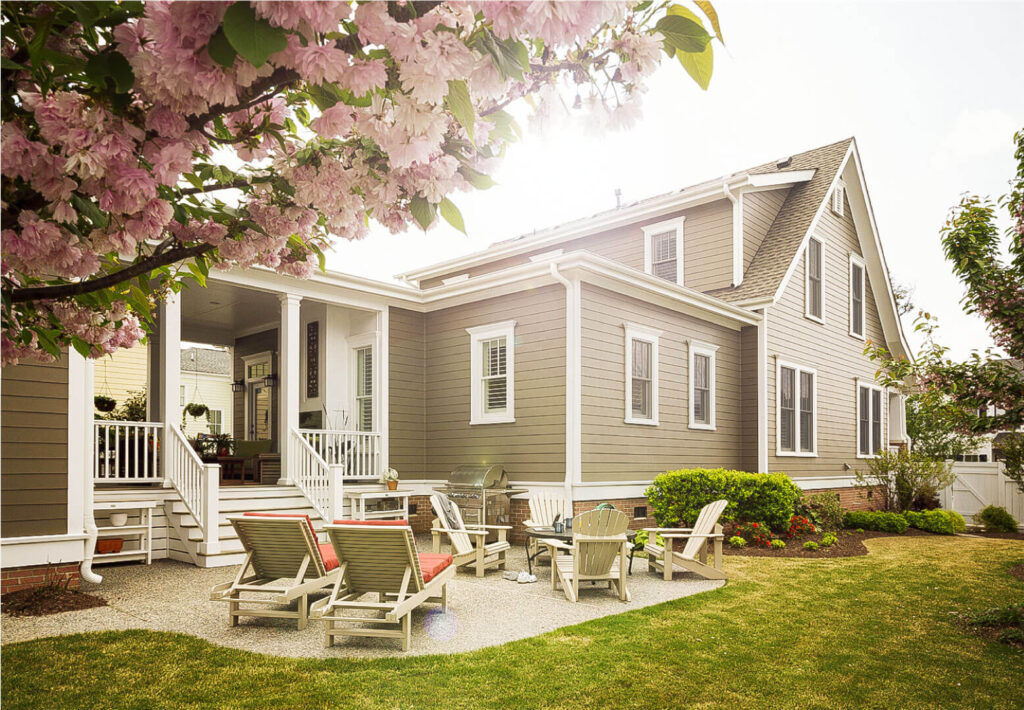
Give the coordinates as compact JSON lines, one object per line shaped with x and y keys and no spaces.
{"x":258,"y":402}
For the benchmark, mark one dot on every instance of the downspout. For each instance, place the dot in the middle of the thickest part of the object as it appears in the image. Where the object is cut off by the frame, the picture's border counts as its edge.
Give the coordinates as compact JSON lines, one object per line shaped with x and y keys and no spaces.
{"x":573,"y":442}
{"x":762,"y":392}
{"x":88,"y":490}
{"x":737,"y":233}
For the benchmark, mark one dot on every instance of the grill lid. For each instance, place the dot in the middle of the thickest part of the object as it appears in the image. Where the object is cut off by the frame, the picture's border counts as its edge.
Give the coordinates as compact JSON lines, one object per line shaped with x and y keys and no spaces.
{"x":479,"y":477}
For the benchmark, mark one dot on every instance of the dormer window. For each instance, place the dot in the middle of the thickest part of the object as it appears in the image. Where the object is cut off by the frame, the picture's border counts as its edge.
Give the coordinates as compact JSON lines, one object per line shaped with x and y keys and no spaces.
{"x":663,"y":250}
{"x":839,"y":198}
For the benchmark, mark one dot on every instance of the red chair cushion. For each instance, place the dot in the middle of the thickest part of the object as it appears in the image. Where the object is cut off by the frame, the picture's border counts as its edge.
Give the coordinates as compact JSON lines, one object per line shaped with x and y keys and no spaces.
{"x":327,"y":555}
{"x":285,"y":515}
{"x":432,"y":563}
{"x":393,"y":523}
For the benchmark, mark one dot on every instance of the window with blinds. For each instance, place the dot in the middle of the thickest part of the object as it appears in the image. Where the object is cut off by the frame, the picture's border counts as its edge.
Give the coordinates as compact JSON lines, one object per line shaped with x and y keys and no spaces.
{"x":797,"y":418}
{"x":663,"y":256}
{"x":814,"y":265}
{"x":857,"y":298}
{"x":702,"y":385}
{"x":364,"y":388}
{"x":492,"y":373}
{"x":641,"y":374}
{"x":643,"y":381}
{"x":869,"y":420}
{"x":495,"y":375}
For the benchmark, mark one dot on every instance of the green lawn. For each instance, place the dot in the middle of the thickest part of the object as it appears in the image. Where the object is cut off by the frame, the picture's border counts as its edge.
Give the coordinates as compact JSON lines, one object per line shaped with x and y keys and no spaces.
{"x":864,"y":632}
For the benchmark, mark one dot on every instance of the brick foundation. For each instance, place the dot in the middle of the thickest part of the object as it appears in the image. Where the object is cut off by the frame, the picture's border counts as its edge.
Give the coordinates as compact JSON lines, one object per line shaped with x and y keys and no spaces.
{"x":17,"y":578}
{"x":855,"y":498}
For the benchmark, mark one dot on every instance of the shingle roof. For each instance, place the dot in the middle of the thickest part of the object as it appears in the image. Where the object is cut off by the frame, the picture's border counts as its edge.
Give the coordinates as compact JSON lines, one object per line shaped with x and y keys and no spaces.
{"x":215,"y":362}
{"x":780,"y":245}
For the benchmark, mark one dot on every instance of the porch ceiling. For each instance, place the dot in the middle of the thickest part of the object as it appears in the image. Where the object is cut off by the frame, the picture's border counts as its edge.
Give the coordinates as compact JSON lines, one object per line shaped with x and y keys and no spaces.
{"x":221,"y":312}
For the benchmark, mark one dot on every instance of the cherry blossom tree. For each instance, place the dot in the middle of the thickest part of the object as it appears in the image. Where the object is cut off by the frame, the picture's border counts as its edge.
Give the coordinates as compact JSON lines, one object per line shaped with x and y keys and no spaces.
{"x":146,"y":143}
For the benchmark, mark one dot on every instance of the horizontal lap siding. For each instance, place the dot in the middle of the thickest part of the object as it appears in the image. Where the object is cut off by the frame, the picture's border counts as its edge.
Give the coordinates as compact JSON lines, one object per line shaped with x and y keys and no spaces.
{"x":34,"y":459}
{"x":123,"y":372}
{"x":759,"y":211}
{"x":533,"y":447}
{"x":407,"y":400}
{"x":707,"y":246}
{"x":616,"y":451}
{"x":828,"y":348}
{"x":748,"y":381}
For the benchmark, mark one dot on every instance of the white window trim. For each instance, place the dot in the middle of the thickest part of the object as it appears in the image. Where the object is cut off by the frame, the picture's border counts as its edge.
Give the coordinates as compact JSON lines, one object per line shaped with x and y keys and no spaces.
{"x":247,"y":360}
{"x":868,"y":384}
{"x":807,"y":280}
{"x":838,"y":198}
{"x":797,"y":453}
{"x":857,"y":260}
{"x":659,"y":227}
{"x":478,"y":335}
{"x":209,"y":422}
{"x":355,"y":344}
{"x":698,"y":348}
{"x":650,"y":335}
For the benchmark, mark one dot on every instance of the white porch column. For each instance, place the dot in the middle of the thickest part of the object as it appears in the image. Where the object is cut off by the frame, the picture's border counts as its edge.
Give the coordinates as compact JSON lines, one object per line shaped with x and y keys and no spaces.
{"x":289,"y":350}
{"x":169,"y":377}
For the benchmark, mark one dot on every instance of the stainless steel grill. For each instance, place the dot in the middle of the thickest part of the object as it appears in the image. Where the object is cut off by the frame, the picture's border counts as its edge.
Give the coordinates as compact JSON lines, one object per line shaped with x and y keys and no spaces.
{"x":482,"y":494}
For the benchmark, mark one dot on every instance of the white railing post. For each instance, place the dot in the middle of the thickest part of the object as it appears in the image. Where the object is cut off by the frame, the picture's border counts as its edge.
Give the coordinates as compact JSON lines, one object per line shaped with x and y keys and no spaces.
{"x":210,"y":506}
{"x":336,"y":494}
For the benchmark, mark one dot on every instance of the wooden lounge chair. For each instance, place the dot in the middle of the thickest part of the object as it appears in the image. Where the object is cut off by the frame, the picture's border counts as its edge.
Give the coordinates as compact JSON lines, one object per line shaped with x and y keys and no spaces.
{"x":379,"y":557}
{"x":469,"y":544}
{"x":598,"y":554}
{"x":694,"y":556}
{"x":283,"y":562}
{"x":543,"y":509}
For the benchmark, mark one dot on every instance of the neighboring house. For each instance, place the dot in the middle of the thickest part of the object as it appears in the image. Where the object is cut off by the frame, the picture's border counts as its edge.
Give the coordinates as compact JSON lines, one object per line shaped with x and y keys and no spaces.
{"x":721,"y":325}
{"x":122,"y":373}
{"x":206,"y":379}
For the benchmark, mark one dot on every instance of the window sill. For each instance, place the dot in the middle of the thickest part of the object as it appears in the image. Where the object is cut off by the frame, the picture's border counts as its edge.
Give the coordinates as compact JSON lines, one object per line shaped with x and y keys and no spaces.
{"x":703,"y":427}
{"x":816,"y":319}
{"x":493,"y":420}
{"x":644,"y":422}
{"x":867,"y":456}
{"x":798,"y":454}
{"x":858,"y":337}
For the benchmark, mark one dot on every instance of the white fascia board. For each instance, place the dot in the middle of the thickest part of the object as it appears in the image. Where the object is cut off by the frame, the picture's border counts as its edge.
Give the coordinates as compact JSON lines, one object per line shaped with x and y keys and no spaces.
{"x":782,"y":179}
{"x":330,"y":287}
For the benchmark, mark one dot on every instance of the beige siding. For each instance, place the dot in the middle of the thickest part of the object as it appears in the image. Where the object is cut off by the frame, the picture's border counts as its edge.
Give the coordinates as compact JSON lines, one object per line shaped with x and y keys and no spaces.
{"x":616,"y":451}
{"x":533,"y":447}
{"x":34,"y":458}
{"x":121,"y":373}
{"x":748,"y":382}
{"x":828,"y":348}
{"x":759,"y":211}
{"x":407,"y":385}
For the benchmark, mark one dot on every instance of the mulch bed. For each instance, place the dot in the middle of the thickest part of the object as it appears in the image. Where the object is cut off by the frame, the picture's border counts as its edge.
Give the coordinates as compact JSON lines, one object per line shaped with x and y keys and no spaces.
{"x":51,"y":599}
{"x":849,"y":543}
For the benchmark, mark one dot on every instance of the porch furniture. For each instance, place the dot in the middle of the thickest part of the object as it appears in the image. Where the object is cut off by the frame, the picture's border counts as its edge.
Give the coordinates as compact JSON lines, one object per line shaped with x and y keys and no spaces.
{"x":482,"y":493}
{"x":286,"y":563}
{"x":268,"y":468}
{"x":544,"y":507}
{"x":142,"y":531}
{"x":543,"y":539}
{"x":250,"y":451}
{"x":598,"y":554}
{"x":379,"y":557}
{"x":694,"y":556}
{"x":232,"y":469}
{"x":468,"y":542}
{"x":358,"y":498}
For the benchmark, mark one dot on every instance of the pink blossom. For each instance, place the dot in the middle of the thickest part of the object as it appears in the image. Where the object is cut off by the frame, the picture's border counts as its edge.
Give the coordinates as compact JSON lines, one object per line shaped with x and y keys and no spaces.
{"x":334,"y":122}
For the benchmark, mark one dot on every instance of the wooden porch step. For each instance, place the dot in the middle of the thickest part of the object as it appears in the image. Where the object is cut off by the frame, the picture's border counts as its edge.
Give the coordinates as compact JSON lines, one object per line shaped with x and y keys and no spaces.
{"x":234,"y":506}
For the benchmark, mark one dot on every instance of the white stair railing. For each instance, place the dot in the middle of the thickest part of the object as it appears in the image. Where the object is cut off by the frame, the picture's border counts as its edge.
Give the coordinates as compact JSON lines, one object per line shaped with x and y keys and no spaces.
{"x":198,"y":485}
{"x":319,"y":481}
{"x":127,"y":452}
{"x":357,"y":452}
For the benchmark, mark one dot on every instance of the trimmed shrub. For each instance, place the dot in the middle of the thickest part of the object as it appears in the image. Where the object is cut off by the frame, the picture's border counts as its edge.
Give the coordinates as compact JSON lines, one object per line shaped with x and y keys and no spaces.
{"x":996,"y":519}
{"x":778,"y":544}
{"x":677,"y":496}
{"x":737,"y":541}
{"x":941,"y":522}
{"x":828,"y":540}
{"x":811,"y":545}
{"x":875,"y":520}
{"x":825,"y":510}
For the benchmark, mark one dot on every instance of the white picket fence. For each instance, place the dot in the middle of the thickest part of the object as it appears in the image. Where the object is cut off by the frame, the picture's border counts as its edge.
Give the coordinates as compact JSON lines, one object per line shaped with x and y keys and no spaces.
{"x":127,"y":452}
{"x":980,"y":484}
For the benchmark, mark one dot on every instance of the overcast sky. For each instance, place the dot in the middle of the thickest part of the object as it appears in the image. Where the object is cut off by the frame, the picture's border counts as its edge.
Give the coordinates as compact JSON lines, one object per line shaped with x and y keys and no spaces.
{"x":932,"y":92}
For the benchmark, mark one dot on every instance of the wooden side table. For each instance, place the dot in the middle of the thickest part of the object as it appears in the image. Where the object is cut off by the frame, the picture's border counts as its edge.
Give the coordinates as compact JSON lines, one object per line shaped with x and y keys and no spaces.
{"x":143,"y":531}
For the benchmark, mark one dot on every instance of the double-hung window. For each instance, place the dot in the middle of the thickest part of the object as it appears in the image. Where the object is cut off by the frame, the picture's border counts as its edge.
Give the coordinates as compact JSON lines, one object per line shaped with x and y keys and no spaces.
{"x":869,"y":419}
{"x":663,"y":250}
{"x":641,"y":375}
{"x":796,"y":429}
{"x":857,"y":289}
{"x":702,"y":385}
{"x":215,"y":421}
{"x":364,"y":388}
{"x":492,"y":369}
{"x":814,"y":270}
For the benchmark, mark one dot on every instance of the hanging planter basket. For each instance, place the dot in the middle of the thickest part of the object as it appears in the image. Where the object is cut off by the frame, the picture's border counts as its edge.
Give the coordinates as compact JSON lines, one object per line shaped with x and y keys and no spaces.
{"x":196,"y":410}
{"x":104,"y":403}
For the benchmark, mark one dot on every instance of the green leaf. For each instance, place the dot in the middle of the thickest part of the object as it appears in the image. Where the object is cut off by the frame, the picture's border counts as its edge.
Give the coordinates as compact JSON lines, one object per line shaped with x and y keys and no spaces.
{"x":422,"y":211}
{"x":683,"y":33}
{"x":220,"y":49}
{"x":479,"y":180}
{"x":698,"y":65}
{"x":452,"y":215}
{"x":90,"y":210}
{"x":708,"y":9}
{"x":460,"y":104}
{"x":252,"y":37}
{"x":197,"y":274}
{"x":6,"y":63}
{"x":112,"y":65}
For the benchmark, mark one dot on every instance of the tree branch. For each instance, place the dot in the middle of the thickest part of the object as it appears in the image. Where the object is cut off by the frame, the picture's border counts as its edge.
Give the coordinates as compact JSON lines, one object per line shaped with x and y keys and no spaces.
{"x":39,"y":293}
{"x":237,"y":184}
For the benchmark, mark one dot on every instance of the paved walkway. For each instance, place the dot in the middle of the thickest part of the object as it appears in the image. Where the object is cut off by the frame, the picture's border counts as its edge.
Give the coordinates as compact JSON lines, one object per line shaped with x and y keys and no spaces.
{"x":174,"y":596}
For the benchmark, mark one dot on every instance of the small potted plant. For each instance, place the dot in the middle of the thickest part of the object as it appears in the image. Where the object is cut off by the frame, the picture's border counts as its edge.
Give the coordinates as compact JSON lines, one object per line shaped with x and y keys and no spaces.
{"x":223,"y":444}
{"x":104,"y":403}
{"x":390,"y":477}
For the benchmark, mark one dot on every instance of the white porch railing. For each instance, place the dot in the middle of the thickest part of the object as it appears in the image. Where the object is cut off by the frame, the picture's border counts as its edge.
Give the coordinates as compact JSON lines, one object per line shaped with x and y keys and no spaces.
{"x":321,"y":482}
{"x":197,"y":483}
{"x":357,"y":452}
{"x":127,"y":452}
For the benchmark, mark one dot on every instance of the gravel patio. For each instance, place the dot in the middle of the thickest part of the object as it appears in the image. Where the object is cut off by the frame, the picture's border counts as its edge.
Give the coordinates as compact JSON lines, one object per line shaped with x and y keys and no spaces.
{"x":174,"y":596}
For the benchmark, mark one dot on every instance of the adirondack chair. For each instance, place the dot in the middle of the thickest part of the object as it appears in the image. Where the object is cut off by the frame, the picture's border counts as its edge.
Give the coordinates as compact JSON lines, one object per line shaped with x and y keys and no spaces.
{"x":283,"y":562}
{"x":598,"y":554}
{"x":378,"y":557}
{"x":543,"y":509}
{"x":694,"y":556}
{"x":469,"y":544}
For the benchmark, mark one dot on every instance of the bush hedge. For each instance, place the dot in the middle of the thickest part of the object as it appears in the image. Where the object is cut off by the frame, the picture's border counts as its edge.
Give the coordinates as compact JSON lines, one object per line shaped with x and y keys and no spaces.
{"x":996,"y":519}
{"x":942,"y":522}
{"x":875,"y":520}
{"x":677,"y":496}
